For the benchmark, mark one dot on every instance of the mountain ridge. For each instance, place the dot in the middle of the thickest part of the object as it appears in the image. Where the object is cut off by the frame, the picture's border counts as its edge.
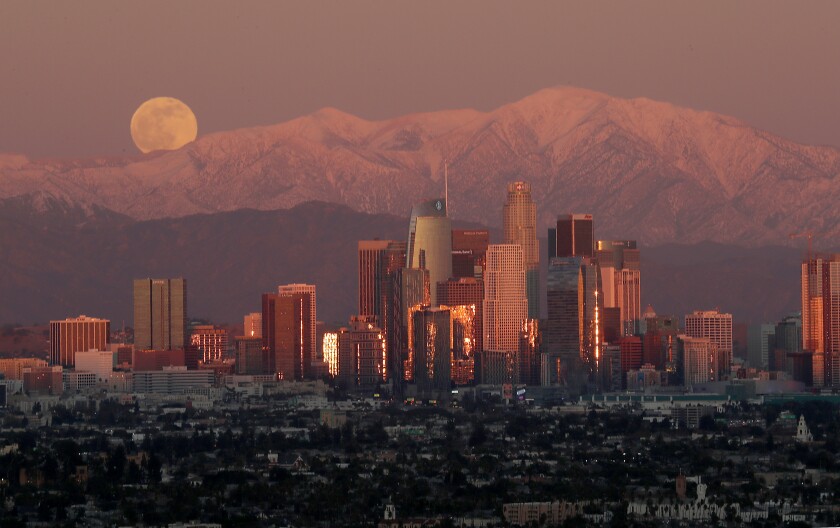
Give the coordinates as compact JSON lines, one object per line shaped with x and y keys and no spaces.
{"x":647,"y":170}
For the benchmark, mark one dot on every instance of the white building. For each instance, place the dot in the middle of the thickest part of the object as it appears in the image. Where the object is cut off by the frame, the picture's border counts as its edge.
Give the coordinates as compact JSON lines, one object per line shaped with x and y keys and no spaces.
{"x":99,"y":362}
{"x":717,"y":327}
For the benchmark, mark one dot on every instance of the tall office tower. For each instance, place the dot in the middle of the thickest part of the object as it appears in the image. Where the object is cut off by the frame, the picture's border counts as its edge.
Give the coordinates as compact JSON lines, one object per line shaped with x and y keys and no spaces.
{"x":464,"y":333}
{"x":469,"y":251}
{"x":698,"y":359}
{"x":821,"y":317}
{"x":160,"y":314}
{"x":329,"y":347}
{"x":310,"y":325}
{"x":430,"y":242}
{"x":288,"y":343}
{"x":253,"y":325}
{"x":717,"y":327}
{"x":759,"y":345}
{"x":432,"y":350}
{"x":392,"y":260}
{"x":361,"y":353}
{"x":573,"y":237}
{"x":659,"y":339}
{"x":630,"y":348}
{"x":370,"y":276}
{"x":787,"y":342}
{"x":77,"y":334}
{"x":211,"y":342}
{"x":505,"y":302}
{"x":465,"y":292}
{"x":520,"y":227}
{"x":410,"y":292}
{"x":529,"y":353}
{"x":621,"y":280}
{"x":250,"y":356}
{"x":573,"y":334}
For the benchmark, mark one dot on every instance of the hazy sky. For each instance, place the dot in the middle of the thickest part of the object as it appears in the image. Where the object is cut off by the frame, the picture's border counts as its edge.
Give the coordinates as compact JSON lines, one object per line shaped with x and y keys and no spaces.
{"x":72,"y":73}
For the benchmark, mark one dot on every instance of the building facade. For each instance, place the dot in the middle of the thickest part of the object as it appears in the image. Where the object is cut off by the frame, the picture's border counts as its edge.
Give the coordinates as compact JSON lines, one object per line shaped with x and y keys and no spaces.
{"x":77,"y":334}
{"x":160,"y":313}
{"x":717,"y":327}
{"x":505,"y":300}
{"x":520,"y":227}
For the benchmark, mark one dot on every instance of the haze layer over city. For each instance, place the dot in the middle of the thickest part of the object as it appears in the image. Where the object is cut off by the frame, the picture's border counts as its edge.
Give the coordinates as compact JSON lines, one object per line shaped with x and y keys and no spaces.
{"x":419,"y":264}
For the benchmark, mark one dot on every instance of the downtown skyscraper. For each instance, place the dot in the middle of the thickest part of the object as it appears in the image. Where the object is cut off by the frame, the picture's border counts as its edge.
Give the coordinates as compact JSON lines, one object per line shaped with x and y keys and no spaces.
{"x":160,"y":314}
{"x":821,"y":317}
{"x":430,"y":242}
{"x":717,"y":327}
{"x":619,"y":263}
{"x":520,"y":227}
{"x":505,"y":302}
{"x":574,"y":236}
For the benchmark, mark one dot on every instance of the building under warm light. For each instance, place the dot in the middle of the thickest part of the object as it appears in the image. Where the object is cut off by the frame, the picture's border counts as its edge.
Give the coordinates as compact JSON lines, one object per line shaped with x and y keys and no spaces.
{"x":520,"y":227}
{"x":77,"y":334}
{"x":253,"y":325}
{"x":432,"y":350}
{"x":505,"y":300}
{"x":330,"y":352}
{"x":160,"y":313}
{"x":211,"y":342}
{"x":716,"y":326}
{"x":821,"y":317}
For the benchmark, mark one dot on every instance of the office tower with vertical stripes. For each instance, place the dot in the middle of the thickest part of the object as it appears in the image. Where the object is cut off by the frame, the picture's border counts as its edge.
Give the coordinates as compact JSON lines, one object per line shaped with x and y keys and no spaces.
{"x":77,"y":334}
{"x":160,"y":314}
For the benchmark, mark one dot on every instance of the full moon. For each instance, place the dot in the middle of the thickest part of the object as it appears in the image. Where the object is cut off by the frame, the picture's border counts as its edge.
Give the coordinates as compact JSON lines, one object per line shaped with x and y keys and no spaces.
{"x":163,"y":123}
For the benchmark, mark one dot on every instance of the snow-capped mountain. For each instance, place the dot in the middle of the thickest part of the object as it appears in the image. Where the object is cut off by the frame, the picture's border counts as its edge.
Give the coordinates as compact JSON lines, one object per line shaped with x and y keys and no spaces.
{"x":645,"y":169}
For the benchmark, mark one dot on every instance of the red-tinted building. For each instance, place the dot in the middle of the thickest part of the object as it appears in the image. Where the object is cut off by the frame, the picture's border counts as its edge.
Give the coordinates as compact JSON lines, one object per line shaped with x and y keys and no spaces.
{"x":469,"y":250}
{"x":149,"y":360}
{"x":43,"y":380}
{"x":286,"y":337}
{"x":631,"y":356}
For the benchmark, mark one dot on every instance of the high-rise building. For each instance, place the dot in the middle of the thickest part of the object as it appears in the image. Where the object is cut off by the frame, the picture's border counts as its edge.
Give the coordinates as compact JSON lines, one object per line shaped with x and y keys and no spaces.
{"x":630,"y":348}
{"x":573,"y":237}
{"x":310,"y":325}
{"x":410,"y":292}
{"x":469,"y":250}
{"x":787,"y":343}
{"x":716,"y":326}
{"x":621,"y":280}
{"x":430,"y":242}
{"x":520,"y":227}
{"x":392,"y":260}
{"x":821,"y":317}
{"x":698,"y":359}
{"x":530,"y":346}
{"x":432,"y":349}
{"x":465,"y":292}
{"x":253,"y":325}
{"x":250,"y":356}
{"x":759,"y":345}
{"x":370,"y":276}
{"x":211,"y":342}
{"x":573,"y":335}
{"x":361,"y":353}
{"x":77,"y":334}
{"x":160,"y":313}
{"x":505,"y":302}
{"x":287,"y":339}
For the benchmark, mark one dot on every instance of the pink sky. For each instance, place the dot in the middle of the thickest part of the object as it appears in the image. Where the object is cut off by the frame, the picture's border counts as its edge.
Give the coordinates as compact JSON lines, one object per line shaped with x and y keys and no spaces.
{"x":72,"y":73}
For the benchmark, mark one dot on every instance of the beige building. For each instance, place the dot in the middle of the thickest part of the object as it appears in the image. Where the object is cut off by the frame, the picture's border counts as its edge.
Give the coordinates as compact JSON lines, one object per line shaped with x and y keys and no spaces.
{"x":505,"y":301}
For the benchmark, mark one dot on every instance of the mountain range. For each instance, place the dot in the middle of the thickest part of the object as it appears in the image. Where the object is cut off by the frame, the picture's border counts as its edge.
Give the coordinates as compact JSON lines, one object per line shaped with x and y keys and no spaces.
{"x":647,"y":170}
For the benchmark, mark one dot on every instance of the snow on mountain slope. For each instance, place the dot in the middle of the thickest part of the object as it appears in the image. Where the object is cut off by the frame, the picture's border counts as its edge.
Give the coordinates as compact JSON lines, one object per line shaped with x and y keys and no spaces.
{"x":647,"y":170}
